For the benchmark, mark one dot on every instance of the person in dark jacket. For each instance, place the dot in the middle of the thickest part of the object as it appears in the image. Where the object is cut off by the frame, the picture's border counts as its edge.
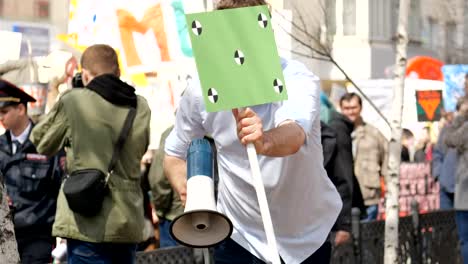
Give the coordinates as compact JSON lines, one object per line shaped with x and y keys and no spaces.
{"x":32,"y":180}
{"x":343,"y":185}
{"x":338,"y":162}
{"x":344,"y":127}
{"x":407,"y":139}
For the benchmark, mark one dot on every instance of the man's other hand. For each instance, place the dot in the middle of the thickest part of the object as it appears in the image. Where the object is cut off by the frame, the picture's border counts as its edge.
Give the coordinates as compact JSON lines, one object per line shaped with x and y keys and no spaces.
{"x":342,"y":237}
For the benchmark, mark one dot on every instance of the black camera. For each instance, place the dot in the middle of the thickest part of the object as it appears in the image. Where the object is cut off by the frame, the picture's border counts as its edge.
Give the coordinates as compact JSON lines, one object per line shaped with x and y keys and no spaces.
{"x":77,"y":81}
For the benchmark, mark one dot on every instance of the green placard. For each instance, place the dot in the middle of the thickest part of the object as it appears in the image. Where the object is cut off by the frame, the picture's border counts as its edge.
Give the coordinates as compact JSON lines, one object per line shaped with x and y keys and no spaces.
{"x":236,"y":57}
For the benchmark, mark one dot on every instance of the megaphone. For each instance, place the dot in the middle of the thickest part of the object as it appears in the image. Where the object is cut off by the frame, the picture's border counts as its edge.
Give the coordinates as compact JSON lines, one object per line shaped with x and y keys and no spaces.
{"x":200,"y":225}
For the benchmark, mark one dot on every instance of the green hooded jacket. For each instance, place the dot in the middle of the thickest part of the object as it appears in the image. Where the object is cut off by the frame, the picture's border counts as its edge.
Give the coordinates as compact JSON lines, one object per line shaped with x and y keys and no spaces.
{"x":88,"y":126}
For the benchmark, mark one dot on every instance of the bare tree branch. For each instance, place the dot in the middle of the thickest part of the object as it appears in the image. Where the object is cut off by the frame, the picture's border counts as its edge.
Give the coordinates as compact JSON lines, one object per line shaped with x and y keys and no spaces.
{"x":323,"y":50}
{"x":321,"y":58}
{"x":327,"y":47}
{"x":359,"y":90}
{"x":304,"y":44}
{"x":301,"y":30}
{"x":302,"y":21}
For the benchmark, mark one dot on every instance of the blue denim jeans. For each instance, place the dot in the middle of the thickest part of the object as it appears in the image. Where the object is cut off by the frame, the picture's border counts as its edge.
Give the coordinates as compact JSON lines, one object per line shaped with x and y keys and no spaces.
{"x":462,"y":227}
{"x":372,"y":212}
{"x":80,"y":252}
{"x":229,"y":252}
{"x":165,"y":238}
{"x":446,"y":200}
{"x":35,"y":250}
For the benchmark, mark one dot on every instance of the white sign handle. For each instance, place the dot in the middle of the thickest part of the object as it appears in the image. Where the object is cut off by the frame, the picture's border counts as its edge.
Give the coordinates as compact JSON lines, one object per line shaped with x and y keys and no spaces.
{"x":263,"y":203}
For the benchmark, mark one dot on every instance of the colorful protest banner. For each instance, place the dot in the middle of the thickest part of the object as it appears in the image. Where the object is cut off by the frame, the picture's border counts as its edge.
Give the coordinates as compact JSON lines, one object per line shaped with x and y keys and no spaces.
{"x":424,"y":67}
{"x":454,"y":79}
{"x":237,"y":58}
{"x":152,"y":20}
{"x":381,"y":94}
{"x":429,"y":105}
{"x":416,"y":183}
{"x":146,"y":34}
{"x":152,"y":42}
{"x":39,"y":92}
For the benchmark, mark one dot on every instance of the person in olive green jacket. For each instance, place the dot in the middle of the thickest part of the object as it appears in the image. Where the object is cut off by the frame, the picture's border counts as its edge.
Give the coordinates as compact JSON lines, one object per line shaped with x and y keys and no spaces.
{"x":165,"y":199}
{"x":88,"y":122}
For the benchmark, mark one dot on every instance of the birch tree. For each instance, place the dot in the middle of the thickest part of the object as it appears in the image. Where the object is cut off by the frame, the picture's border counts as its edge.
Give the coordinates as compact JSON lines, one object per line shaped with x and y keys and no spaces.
{"x":391,"y":210}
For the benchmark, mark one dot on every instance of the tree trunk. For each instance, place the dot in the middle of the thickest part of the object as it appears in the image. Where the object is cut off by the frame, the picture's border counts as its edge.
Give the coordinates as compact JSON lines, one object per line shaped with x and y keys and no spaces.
{"x":8,"y":246}
{"x":394,"y":148}
{"x":465,"y":32}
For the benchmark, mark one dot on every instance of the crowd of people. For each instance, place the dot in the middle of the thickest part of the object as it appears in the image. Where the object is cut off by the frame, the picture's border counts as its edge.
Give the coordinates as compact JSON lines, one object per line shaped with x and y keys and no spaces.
{"x":318,"y":162}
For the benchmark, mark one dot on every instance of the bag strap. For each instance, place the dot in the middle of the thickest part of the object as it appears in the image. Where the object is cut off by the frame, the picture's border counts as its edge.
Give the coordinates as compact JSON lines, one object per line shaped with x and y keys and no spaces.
{"x":120,"y":142}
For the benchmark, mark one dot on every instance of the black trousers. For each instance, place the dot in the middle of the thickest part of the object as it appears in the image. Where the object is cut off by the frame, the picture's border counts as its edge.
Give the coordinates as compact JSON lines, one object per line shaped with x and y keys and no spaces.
{"x":229,"y":252}
{"x":35,"y":250}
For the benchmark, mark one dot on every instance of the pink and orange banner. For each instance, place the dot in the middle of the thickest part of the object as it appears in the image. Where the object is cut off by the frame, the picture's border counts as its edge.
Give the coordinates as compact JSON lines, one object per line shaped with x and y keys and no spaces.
{"x":146,"y":32}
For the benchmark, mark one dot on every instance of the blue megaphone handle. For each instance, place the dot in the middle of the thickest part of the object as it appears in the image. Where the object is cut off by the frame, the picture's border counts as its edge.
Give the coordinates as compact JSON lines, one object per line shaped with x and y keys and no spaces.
{"x":199,"y":158}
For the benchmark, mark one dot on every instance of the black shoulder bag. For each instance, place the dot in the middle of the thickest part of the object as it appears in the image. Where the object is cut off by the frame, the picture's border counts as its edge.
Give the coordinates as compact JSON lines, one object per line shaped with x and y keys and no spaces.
{"x":85,"y":189}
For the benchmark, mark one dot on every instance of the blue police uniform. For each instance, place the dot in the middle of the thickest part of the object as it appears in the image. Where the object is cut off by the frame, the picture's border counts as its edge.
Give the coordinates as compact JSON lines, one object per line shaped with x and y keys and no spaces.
{"x":32,"y":182}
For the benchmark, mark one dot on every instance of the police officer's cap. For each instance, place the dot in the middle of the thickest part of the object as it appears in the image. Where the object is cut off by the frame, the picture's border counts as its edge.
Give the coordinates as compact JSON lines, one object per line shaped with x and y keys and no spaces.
{"x":10,"y":94}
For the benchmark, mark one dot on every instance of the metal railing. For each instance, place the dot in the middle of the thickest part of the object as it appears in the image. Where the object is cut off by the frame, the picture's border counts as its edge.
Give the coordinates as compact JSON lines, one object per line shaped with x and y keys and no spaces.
{"x":424,"y":238}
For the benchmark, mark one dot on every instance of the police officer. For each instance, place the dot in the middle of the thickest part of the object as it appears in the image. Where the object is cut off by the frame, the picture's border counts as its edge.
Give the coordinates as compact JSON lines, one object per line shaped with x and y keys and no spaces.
{"x":32,"y":180}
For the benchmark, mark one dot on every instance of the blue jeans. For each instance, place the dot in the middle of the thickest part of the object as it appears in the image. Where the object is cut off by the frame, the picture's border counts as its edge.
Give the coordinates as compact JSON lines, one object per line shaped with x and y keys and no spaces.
{"x":462,"y":226}
{"x":372,"y":212}
{"x":229,"y":252}
{"x":446,"y":200}
{"x":80,"y":252}
{"x":165,"y":238}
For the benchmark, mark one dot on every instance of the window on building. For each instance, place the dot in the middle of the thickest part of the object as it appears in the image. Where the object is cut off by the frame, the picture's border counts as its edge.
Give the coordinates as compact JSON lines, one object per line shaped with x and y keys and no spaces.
{"x":434,"y":34}
{"x":41,"y":8}
{"x":451,"y":34}
{"x":380,"y":23}
{"x":451,"y":43}
{"x":414,"y":21}
{"x":349,"y":17}
{"x":330,"y":16}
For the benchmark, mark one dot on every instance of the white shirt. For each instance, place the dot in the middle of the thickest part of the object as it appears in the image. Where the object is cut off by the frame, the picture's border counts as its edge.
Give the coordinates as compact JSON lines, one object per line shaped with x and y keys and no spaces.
{"x":21,"y":138}
{"x":303,"y":202}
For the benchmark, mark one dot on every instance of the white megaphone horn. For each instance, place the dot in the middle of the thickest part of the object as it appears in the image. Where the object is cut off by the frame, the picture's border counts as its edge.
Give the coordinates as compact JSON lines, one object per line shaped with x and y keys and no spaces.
{"x":200,"y":225}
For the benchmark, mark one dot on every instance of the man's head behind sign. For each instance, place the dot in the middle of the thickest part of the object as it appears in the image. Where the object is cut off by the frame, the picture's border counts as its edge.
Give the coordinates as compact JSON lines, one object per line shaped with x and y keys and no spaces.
{"x":227,"y":4}
{"x":236,"y":56}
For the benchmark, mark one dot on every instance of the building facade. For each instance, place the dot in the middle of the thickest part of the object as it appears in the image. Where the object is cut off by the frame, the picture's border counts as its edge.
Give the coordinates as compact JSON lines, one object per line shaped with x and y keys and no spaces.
{"x":362,"y":33}
{"x":38,"y":20}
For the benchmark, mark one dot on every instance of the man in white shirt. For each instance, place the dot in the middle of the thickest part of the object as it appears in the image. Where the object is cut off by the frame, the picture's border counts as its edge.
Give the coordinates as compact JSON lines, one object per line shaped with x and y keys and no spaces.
{"x":304,"y":204}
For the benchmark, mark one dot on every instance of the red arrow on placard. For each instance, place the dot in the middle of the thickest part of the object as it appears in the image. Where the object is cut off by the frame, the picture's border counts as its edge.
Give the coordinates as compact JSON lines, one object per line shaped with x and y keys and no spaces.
{"x":429,"y":101}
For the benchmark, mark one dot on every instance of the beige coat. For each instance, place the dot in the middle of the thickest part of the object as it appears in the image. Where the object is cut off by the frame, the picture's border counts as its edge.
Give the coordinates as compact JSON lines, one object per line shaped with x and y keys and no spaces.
{"x":370,"y":159}
{"x":19,"y":71}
